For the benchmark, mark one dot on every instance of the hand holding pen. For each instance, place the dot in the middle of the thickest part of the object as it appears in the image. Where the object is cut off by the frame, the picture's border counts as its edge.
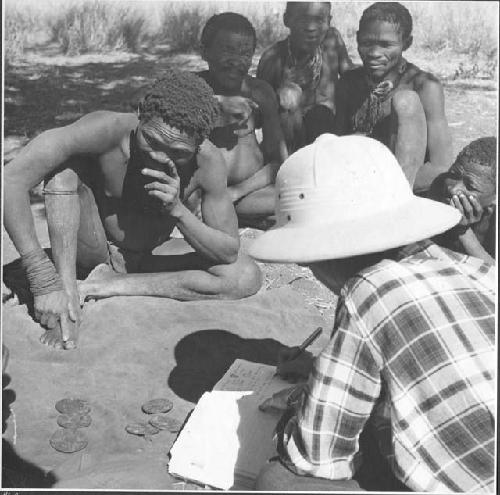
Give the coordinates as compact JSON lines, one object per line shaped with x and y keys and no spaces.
{"x":295,"y":363}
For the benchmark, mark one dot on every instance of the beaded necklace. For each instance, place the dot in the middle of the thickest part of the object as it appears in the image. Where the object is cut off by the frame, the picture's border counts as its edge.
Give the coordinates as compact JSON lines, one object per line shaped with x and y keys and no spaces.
{"x":306,"y":74}
{"x":371,"y":111}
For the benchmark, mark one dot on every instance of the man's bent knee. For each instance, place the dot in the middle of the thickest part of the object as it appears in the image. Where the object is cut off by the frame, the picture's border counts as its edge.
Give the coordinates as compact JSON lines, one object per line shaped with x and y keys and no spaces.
{"x":406,"y":103}
{"x":64,"y":181}
{"x":240,"y":279}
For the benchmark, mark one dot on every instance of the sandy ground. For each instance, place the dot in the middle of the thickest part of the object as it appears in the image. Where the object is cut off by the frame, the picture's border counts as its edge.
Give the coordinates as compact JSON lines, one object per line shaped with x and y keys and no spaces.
{"x":116,"y":367}
{"x":132,"y":350}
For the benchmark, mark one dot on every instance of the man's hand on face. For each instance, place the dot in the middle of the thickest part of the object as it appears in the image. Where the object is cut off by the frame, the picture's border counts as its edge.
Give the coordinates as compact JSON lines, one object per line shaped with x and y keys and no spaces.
{"x":469,"y":207}
{"x":166,"y":187}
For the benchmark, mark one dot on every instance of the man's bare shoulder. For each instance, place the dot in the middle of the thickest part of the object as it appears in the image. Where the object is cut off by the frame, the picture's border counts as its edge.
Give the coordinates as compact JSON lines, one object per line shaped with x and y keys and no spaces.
{"x":107,"y":118}
{"x":271,"y":63}
{"x":259,"y":90}
{"x":95,"y":132}
{"x":334,"y":33}
{"x":272,"y":53}
{"x":211,"y":174}
{"x":421,"y":79}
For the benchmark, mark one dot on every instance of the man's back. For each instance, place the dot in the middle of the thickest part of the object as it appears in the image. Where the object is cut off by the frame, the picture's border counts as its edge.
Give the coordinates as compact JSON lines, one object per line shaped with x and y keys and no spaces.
{"x":429,"y":322}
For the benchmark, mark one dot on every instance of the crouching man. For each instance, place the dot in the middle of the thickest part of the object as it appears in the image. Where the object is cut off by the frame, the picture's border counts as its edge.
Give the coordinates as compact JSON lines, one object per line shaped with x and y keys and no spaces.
{"x":412,"y":353}
{"x":114,"y":190}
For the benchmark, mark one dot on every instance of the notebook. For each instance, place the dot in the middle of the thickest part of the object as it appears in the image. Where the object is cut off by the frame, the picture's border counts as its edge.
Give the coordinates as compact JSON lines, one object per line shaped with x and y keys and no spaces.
{"x":227,"y":439}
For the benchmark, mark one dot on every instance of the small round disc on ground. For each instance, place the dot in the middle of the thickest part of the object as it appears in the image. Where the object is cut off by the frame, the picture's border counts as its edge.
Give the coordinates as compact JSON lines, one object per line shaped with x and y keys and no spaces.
{"x":68,"y":441}
{"x":73,"y":406}
{"x":141,"y":429}
{"x":157,"y":406}
{"x":163,"y":422}
{"x":74,"y":420}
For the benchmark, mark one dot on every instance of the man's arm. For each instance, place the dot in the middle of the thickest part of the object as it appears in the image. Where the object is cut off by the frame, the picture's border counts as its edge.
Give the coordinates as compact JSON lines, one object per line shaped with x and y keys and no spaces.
{"x":269,"y":67}
{"x":216,"y":237}
{"x":273,"y":143}
{"x":55,"y":294}
{"x":439,"y":143}
{"x":94,"y":133}
{"x":259,"y":180}
{"x":321,"y":438}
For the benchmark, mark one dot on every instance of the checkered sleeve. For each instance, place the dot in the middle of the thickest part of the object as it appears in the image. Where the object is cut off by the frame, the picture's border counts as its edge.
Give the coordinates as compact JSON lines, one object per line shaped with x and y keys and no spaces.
{"x":320,"y":438}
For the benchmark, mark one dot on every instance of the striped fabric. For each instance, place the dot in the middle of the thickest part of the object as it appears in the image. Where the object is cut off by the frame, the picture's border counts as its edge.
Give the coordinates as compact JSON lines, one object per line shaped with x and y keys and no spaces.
{"x":414,"y":343}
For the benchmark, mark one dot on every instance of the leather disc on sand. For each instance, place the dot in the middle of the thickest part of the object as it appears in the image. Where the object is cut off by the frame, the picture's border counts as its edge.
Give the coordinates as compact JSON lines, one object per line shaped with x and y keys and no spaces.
{"x":68,"y":441}
{"x":157,"y":406}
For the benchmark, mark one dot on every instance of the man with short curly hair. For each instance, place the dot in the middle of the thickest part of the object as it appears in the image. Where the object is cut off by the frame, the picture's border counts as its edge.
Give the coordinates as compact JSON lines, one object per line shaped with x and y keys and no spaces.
{"x":115,"y":188}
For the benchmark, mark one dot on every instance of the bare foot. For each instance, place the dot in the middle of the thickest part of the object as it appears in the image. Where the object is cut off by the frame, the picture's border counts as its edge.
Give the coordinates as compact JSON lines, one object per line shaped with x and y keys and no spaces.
{"x":91,"y":287}
{"x":52,"y":338}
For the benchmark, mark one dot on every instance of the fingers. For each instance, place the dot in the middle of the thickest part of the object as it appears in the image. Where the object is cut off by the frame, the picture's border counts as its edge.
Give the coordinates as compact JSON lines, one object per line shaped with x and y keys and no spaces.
{"x":68,"y":332}
{"x":292,"y":367}
{"x":287,"y":354}
{"x":74,"y":313}
{"x":455,"y":202}
{"x":162,"y":176}
{"x":65,"y":328}
{"x":466,"y":206}
{"x":477,"y":208}
{"x":469,"y":206}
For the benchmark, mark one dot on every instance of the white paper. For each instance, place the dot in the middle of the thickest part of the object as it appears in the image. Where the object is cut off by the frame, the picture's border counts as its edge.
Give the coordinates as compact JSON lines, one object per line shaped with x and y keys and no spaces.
{"x":227,"y":439}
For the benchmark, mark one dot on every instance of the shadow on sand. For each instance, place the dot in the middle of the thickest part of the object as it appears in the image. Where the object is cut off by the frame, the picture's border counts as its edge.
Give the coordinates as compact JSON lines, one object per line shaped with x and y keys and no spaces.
{"x":16,"y":471}
{"x":204,"y":356}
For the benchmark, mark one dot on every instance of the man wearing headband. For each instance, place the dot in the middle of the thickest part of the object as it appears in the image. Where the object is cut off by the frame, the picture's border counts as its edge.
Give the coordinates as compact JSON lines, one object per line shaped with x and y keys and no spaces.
{"x":114,"y":190}
{"x":412,"y":353}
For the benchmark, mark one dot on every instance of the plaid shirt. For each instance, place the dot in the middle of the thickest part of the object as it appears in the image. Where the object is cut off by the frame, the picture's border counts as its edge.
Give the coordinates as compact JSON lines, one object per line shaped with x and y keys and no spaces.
{"x":414,"y":344}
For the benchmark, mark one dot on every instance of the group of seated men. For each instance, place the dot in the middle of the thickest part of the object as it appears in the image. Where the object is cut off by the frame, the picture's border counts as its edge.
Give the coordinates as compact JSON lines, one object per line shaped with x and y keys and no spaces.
{"x":116,"y":186}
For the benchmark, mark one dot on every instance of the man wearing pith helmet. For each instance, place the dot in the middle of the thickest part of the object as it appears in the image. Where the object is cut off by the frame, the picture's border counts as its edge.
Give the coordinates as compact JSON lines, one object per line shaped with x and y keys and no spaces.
{"x":412,"y":351}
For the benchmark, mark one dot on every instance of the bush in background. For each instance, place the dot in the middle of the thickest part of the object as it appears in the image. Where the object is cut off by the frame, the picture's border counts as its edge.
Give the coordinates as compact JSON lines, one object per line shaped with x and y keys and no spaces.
{"x":97,"y":26}
{"x":463,"y":33}
{"x":181,"y":26}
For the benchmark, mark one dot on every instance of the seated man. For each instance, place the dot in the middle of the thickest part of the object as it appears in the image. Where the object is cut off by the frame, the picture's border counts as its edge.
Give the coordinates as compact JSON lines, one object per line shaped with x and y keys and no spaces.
{"x":228,"y":43}
{"x":304,"y":69}
{"x":412,"y":351}
{"x":394,"y":101}
{"x":114,"y":186}
{"x":470,"y":186}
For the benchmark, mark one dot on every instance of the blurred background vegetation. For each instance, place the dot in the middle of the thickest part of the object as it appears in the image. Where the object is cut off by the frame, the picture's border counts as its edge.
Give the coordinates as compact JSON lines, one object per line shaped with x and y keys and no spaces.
{"x":464,"y":34}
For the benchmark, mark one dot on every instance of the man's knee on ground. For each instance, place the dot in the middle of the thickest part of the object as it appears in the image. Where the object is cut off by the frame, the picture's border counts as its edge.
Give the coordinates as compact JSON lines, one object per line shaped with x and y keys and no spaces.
{"x":406,"y":104}
{"x":240,"y":279}
{"x":270,"y":478}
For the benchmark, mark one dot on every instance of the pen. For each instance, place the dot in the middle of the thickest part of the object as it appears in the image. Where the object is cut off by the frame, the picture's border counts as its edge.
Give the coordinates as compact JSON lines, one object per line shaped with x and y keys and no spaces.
{"x":308,"y":342}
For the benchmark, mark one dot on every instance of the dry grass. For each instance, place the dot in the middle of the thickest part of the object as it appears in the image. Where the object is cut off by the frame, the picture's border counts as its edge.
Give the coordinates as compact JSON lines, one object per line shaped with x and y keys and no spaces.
{"x":465,"y":31}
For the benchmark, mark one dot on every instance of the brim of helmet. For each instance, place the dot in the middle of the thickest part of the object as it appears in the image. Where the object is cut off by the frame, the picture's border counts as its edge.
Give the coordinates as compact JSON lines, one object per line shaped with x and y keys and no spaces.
{"x":419,"y":219}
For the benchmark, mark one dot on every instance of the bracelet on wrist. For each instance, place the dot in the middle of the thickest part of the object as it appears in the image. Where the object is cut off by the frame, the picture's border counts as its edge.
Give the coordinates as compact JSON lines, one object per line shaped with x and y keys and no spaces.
{"x":41,"y":273}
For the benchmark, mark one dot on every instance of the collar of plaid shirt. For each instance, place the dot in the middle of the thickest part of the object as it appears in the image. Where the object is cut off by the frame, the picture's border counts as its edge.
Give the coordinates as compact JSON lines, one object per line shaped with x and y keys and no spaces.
{"x":414,"y":339}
